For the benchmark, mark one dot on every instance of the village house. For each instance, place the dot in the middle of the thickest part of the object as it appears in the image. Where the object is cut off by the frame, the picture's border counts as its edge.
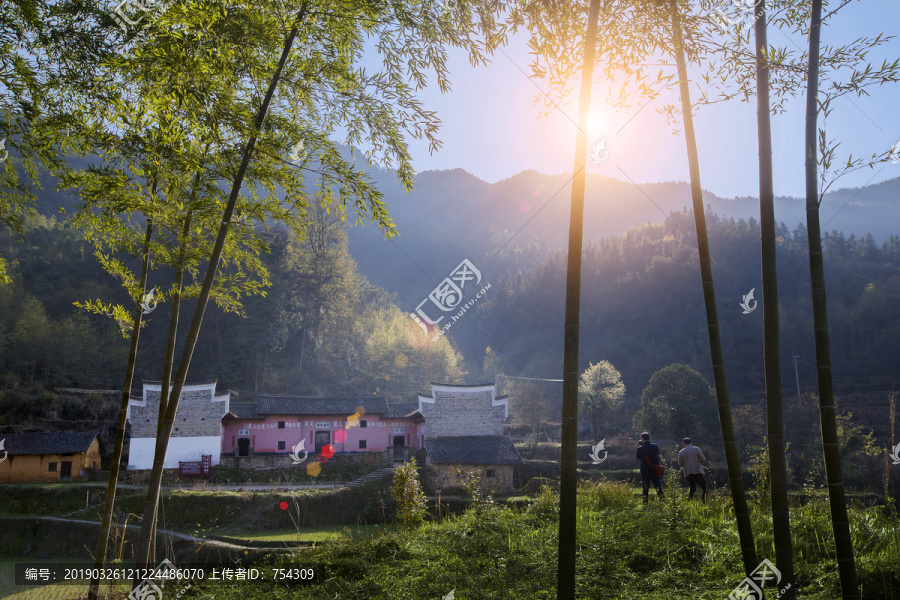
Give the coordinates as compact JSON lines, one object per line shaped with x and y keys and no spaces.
{"x":197,"y":430}
{"x":41,"y":457}
{"x":276,"y":424}
{"x":464,"y":432}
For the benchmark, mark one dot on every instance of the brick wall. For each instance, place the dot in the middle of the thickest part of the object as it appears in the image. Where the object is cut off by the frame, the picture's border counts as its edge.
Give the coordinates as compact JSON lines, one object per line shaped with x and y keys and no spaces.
{"x":463,"y":411}
{"x":199,"y":413}
{"x":283,"y":461}
{"x":446,"y":477}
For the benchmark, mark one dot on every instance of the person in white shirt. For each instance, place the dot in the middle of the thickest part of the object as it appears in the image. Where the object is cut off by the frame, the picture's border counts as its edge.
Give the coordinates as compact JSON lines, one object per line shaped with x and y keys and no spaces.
{"x":690,"y":459}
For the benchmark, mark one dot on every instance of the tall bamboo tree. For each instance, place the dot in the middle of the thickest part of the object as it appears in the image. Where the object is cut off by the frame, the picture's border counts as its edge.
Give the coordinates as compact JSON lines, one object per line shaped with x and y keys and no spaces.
{"x":565,"y":589}
{"x":611,"y":38}
{"x":781,"y":521}
{"x":389,"y":110}
{"x":116,"y":460}
{"x":793,"y":70}
{"x":830,"y":443}
{"x":732,"y":458}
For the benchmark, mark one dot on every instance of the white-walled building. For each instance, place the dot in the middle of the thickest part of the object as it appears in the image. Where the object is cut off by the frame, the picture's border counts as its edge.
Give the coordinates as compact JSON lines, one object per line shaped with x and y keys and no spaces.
{"x":197,"y":430}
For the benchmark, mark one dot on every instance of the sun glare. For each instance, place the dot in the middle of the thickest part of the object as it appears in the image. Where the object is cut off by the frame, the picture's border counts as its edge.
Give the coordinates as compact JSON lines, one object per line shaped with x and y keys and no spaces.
{"x":595,"y":122}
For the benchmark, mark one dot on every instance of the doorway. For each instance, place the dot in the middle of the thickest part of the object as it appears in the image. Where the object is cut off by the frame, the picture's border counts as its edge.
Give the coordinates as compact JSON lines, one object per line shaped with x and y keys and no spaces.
{"x":65,"y":470}
{"x":323,"y":438}
{"x":399,"y":448}
{"x":243,"y":446}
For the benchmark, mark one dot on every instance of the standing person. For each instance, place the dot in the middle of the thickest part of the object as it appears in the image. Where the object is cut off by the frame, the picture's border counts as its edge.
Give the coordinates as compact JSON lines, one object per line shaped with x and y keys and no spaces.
{"x":690,"y":459}
{"x":648,"y":454}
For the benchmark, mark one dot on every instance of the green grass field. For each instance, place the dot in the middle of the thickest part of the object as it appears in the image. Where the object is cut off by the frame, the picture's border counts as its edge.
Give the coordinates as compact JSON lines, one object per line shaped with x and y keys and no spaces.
{"x":312,"y":534}
{"x":626,"y":550}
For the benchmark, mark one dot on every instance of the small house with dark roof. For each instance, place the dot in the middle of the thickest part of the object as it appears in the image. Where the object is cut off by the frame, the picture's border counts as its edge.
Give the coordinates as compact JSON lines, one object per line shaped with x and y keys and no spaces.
{"x":39,"y":457}
{"x":464,"y":432}
{"x":491,"y":457}
{"x":274,"y":425}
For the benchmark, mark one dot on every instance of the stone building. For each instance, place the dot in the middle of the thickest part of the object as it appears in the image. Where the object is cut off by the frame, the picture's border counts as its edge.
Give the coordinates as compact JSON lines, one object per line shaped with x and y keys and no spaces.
{"x":464,"y":432}
{"x":197,"y":431}
{"x":34,"y":457}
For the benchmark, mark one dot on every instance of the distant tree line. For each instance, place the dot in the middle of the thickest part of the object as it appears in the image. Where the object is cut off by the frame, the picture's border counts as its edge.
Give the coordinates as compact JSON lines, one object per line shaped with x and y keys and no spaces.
{"x":643,"y":307}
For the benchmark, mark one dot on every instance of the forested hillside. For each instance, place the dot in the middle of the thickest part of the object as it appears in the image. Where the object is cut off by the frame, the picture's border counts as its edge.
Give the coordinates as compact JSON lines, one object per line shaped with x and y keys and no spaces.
{"x":323,"y":328}
{"x":643,"y":307}
{"x":320,"y":329}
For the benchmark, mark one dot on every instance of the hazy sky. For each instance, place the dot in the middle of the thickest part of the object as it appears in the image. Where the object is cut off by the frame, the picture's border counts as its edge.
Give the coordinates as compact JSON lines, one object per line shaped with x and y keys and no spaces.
{"x":492,"y":128}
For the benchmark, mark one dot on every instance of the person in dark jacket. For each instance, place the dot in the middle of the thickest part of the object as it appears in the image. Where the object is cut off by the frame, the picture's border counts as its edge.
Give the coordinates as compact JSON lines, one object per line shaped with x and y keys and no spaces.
{"x":648,"y":454}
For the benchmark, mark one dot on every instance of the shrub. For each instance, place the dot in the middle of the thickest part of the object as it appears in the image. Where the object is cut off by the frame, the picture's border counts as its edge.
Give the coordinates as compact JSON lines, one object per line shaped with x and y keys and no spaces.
{"x":407,"y":492}
{"x":481,"y":501}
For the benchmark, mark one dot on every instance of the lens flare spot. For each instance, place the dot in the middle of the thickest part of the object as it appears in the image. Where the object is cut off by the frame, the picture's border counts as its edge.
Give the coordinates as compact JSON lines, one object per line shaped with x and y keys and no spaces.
{"x":526,"y":206}
{"x":387,"y":377}
{"x":313,"y":469}
{"x":284,"y":505}
{"x":340,"y":436}
{"x":401,"y":360}
{"x":360,"y":410}
{"x":326,"y":452}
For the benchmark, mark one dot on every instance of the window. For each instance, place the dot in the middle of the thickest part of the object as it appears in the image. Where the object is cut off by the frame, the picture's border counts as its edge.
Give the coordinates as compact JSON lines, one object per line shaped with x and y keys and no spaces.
{"x":281,"y":445}
{"x":51,"y":466}
{"x":362,"y":423}
{"x":491,"y":473}
{"x":280,"y":424}
{"x":362,"y":444}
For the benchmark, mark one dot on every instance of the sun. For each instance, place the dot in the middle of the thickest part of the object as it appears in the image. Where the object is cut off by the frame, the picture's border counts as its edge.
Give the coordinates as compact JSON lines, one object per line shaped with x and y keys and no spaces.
{"x":595,"y":121}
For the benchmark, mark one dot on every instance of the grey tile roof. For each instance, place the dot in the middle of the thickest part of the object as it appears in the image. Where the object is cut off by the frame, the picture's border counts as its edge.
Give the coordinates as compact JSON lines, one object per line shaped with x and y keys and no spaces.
{"x":397,"y":410}
{"x":462,"y":385}
{"x":17,"y":444}
{"x":294,"y":405}
{"x":473,"y":450}
{"x":243,"y":410}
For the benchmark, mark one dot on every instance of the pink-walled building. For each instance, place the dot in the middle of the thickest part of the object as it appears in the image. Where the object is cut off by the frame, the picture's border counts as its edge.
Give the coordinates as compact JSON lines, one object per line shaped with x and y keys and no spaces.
{"x":276,"y":424}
